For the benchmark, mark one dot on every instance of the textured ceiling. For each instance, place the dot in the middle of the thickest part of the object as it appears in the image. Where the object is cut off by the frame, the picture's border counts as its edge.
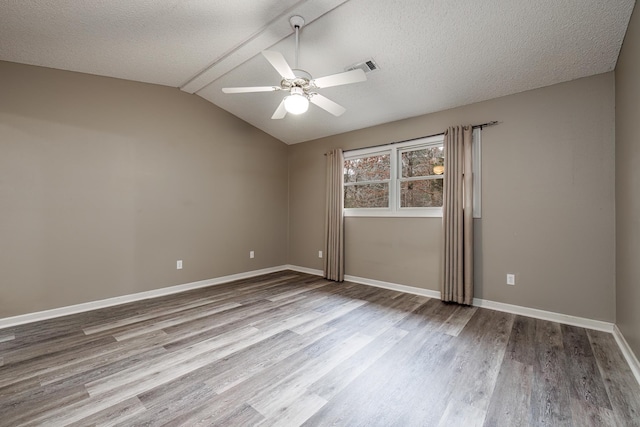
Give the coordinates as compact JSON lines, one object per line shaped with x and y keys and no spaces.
{"x":433,"y":55}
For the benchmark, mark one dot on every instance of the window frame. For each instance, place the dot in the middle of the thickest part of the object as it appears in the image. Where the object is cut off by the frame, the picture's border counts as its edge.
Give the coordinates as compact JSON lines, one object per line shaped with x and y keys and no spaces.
{"x":370,"y":152}
{"x":400,"y":179}
{"x":394,"y":209}
{"x":395,"y":150}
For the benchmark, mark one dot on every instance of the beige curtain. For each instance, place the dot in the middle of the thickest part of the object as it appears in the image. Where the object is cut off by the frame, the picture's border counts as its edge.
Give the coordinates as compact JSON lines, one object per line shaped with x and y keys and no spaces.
{"x":334,"y":222}
{"x":457,"y":216}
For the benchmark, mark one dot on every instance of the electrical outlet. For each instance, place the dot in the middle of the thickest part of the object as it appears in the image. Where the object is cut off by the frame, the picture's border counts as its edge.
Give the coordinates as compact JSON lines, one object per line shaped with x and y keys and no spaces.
{"x":511,"y":279}
{"x":252,"y":254}
{"x":319,"y":254}
{"x":179,"y":264}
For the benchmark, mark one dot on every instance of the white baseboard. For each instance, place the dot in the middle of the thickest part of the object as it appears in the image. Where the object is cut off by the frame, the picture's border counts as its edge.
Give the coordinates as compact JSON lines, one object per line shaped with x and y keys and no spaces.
{"x":393,"y":286}
{"x":305,"y":270}
{"x":551,"y":316}
{"x":371,"y":282}
{"x":632,"y":360}
{"x":109,"y":302}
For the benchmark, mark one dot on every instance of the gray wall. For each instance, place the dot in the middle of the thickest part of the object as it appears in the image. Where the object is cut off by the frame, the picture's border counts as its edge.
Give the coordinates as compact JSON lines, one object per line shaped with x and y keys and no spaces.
{"x":105,"y":183}
{"x":628,"y":185}
{"x":547,"y":200}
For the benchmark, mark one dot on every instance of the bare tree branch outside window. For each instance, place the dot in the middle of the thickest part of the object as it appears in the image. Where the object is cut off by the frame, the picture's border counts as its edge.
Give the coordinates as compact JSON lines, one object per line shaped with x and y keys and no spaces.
{"x":368,"y":179}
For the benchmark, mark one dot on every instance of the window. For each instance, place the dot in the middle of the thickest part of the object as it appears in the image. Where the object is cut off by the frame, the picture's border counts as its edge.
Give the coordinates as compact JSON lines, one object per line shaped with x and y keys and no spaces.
{"x":401,"y":179}
{"x":366,"y":181}
{"x":395,"y":180}
{"x":420,"y":176}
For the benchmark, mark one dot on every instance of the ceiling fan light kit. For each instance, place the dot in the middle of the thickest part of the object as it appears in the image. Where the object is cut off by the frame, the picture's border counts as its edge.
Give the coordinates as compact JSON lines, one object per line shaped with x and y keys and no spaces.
{"x":297,"y":102}
{"x":299,"y":83}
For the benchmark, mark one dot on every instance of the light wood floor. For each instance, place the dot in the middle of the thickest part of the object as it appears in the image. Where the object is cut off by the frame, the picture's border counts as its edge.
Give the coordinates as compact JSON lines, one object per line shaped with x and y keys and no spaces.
{"x":291,"y":349}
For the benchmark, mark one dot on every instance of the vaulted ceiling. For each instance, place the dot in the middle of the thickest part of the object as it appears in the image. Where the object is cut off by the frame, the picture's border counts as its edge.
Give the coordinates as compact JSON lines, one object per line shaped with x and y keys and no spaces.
{"x":432,"y":54}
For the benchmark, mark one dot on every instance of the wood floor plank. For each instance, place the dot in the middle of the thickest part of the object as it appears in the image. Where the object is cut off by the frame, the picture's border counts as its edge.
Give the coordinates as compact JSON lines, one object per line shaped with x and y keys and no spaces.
{"x":118,"y":414}
{"x":289,"y":348}
{"x":522,"y":342}
{"x":432,"y":315}
{"x":550,"y":396}
{"x":193,"y":332}
{"x":296,"y":412}
{"x":61,"y":356}
{"x":483,"y":346}
{"x":165,"y":369}
{"x":232,"y":399}
{"x":510,"y":400}
{"x":162,"y":324}
{"x":346,"y":372}
{"x":171,"y":400}
{"x":7,"y":337}
{"x":463,"y":414}
{"x":211,"y":415}
{"x":298,"y":291}
{"x":335,"y":295}
{"x":245,"y":364}
{"x":328,"y":316}
{"x":110,"y":360}
{"x":281,"y":394}
{"x":148,"y":315}
{"x":404,"y":377}
{"x":172,"y":365}
{"x":18,"y":409}
{"x":586,"y":414}
{"x":618,"y":379}
{"x":458,"y":320}
{"x":586,"y":381}
{"x":55,"y":347}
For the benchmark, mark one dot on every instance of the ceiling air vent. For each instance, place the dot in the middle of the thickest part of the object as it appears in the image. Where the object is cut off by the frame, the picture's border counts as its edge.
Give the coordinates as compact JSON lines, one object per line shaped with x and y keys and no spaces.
{"x":367,"y":66}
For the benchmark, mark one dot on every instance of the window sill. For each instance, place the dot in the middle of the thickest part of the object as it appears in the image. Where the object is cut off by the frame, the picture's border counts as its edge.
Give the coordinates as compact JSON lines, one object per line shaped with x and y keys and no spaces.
{"x":408,"y":213}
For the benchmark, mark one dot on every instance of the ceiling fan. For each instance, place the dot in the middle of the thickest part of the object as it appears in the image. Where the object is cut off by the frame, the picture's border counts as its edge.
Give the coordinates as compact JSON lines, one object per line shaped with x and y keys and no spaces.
{"x":299,"y":83}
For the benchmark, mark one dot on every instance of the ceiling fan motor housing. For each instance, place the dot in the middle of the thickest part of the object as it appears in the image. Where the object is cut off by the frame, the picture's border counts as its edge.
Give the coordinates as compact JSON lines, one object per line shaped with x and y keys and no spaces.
{"x":303,"y":80}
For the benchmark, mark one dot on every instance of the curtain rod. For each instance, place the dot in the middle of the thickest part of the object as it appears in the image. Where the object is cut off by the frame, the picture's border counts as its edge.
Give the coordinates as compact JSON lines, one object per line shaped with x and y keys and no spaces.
{"x":480,"y":126}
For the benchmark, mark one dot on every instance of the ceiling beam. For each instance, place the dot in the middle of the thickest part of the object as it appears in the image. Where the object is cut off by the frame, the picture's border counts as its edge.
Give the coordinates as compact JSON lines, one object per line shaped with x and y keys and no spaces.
{"x":267,"y":36}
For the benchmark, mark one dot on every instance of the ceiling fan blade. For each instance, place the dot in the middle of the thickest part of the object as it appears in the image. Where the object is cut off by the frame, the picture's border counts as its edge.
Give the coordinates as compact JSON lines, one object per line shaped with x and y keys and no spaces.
{"x":353,"y":76}
{"x":327,"y":104}
{"x":250,"y":89}
{"x":280,"y":111}
{"x":279,"y":63}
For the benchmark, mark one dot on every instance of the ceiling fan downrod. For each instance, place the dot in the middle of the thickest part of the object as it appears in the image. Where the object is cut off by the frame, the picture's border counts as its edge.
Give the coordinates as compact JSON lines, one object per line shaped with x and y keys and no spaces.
{"x":296,"y":22}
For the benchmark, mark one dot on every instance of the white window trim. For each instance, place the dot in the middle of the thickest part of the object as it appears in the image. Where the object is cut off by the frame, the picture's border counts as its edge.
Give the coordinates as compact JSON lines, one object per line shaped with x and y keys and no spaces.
{"x":394,"y":149}
{"x":476,"y":150}
{"x":395,"y":210}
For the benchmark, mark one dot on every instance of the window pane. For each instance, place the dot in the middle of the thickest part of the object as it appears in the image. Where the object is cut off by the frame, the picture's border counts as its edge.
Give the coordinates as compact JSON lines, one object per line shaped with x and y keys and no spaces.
{"x":366,"y":196}
{"x":421,"y":162}
{"x":371,"y":168}
{"x":421,"y":194}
